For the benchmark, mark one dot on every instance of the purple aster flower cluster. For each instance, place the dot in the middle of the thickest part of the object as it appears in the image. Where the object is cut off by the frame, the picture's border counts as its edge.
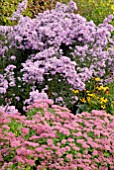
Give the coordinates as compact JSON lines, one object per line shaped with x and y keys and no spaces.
{"x":8,"y":109}
{"x":7,"y":81}
{"x":21,"y":7}
{"x":56,"y":42}
{"x":50,"y":137}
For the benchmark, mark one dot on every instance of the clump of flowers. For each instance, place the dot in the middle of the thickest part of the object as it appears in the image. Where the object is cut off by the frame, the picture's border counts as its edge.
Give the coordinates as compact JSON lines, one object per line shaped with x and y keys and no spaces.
{"x":96,"y":96}
{"x":57,"y":49}
{"x":50,"y":137}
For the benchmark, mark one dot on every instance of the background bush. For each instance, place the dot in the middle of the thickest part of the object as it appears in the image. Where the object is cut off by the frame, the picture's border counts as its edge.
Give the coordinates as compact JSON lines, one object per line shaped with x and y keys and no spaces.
{"x":95,"y":10}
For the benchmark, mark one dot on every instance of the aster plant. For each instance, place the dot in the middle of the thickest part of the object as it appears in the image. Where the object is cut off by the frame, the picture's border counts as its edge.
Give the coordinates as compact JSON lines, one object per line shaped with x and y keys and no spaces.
{"x":51,"y":54}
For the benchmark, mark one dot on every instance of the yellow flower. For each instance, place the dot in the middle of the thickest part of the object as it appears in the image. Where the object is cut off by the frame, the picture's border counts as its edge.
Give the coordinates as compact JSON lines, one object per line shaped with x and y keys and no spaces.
{"x":75,"y":91}
{"x":107,"y":92}
{"x":91,"y":1}
{"x":100,"y":88}
{"x":91,"y":95}
{"x":113,"y":102}
{"x":112,"y":7}
{"x":103,"y":106}
{"x":105,"y":89}
{"x":87,"y":91}
{"x":97,"y":79}
{"x":83,"y":100}
{"x":103,"y":100}
{"x":88,"y":99}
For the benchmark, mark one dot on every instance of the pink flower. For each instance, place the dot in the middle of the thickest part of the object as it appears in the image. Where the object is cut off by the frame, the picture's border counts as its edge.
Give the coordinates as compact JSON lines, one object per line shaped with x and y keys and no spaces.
{"x":6,"y":127}
{"x":59,"y":153}
{"x":19,"y":159}
{"x":70,"y":140}
{"x":1,"y":158}
{"x":69,"y":157}
{"x":107,"y":147}
{"x":77,"y":134}
{"x":85,"y":145}
{"x":67,"y":148}
{"x":75,"y":148}
{"x":34,"y":137}
{"x":24,"y":151}
{"x":24,"y":131}
{"x":63,"y":141}
{"x":103,"y":168}
{"x":95,"y":152}
{"x":39,"y":149}
{"x":15,"y":143}
{"x":31,"y":144}
{"x":50,"y":142}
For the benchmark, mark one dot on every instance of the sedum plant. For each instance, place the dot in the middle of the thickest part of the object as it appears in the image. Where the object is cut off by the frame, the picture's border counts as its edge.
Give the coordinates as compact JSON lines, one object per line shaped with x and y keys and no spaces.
{"x":50,"y":137}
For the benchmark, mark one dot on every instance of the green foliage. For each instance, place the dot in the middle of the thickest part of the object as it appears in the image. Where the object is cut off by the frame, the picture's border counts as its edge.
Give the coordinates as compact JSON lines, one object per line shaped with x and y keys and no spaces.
{"x":7,"y":8}
{"x":96,"y":10}
{"x":15,"y":127}
{"x":32,"y":112}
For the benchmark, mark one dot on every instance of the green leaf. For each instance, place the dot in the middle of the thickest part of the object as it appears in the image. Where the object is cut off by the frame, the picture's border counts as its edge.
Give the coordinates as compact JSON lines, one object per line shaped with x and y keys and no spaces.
{"x":106,"y":154}
{"x":90,"y":134}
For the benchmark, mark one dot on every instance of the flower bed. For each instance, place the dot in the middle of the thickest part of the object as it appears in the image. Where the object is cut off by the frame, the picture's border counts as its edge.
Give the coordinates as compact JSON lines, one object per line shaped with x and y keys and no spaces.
{"x":49,"y":65}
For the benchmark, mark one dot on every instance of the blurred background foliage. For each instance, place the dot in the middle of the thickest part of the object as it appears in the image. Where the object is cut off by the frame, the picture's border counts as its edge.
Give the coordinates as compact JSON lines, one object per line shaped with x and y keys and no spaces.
{"x":95,"y":10}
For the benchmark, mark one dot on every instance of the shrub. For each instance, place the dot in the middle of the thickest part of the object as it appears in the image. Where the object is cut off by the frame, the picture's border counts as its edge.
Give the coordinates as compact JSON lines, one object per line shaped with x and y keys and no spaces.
{"x":53,"y":53}
{"x":50,"y":137}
